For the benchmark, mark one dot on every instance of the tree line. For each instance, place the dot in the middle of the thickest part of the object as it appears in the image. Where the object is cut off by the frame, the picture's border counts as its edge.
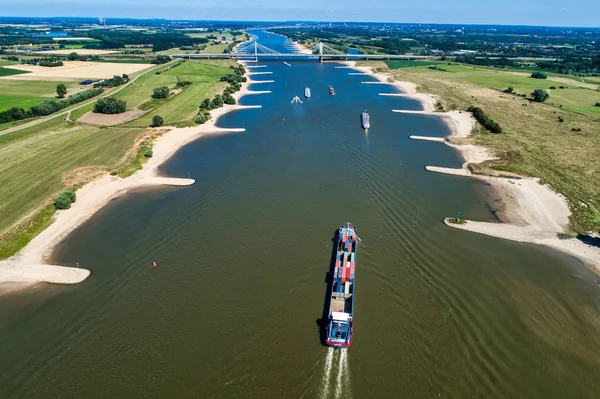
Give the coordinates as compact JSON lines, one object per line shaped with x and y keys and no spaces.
{"x":46,"y":107}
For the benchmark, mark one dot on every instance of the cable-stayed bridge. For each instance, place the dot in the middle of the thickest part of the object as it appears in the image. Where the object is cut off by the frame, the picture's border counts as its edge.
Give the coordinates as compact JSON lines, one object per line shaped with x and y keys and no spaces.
{"x":255,"y":50}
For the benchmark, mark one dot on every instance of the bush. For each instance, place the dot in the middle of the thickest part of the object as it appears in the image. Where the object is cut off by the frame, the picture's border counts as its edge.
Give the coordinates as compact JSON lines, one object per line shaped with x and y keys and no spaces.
{"x":148,"y":154}
{"x":552,"y":88}
{"x":228,"y":99}
{"x":61,"y":90}
{"x":73,"y":57}
{"x":561,"y":119}
{"x":110,"y":105}
{"x":200,"y":119}
{"x":218,"y":101}
{"x":161,"y":92}
{"x":485,"y":121}
{"x":540,"y":95}
{"x":205,"y":104}
{"x":161,"y":59}
{"x":597,"y":105}
{"x":62,"y":201}
{"x":70,"y":194}
{"x":539,"y":75}
{"x":157,"y":121}
{"x":510,"y":90}
{"x":184,"y":83}
{"x":561,"y":87}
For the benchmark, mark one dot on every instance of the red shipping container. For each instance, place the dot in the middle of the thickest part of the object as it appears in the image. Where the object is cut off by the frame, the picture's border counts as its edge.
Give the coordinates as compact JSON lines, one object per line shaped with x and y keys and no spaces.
{"x":351,"y":267}
{"x":337,"y":263}
{"x":344,"y":274}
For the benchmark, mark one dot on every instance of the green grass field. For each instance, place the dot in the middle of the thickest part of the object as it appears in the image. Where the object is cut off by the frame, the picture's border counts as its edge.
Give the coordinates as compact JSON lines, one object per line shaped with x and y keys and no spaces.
{"x":396,"y":64}
{"x":26,"y":93}
{"x":205,"y":76}
{"x":42,"y":153}
{"x":4,"y":71}
{"x":215,"y":48}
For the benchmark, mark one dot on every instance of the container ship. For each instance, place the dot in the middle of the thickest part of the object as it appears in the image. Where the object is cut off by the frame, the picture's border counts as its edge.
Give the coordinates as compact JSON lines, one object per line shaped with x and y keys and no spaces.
{"x":341,"y":305}
{"x":365,"y":120}
{"x":307,"y":92}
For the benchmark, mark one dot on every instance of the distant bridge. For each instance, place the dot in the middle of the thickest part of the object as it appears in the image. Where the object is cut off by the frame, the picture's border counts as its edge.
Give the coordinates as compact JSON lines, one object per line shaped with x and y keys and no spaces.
{"x":255,"y":50}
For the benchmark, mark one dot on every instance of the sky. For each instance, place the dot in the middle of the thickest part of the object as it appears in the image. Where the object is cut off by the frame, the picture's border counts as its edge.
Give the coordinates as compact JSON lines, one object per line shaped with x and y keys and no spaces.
{"x":504,"y":12}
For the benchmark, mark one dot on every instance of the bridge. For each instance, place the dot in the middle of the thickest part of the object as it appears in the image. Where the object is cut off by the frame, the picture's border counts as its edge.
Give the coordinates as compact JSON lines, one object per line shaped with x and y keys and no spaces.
{"x":254,"y":50}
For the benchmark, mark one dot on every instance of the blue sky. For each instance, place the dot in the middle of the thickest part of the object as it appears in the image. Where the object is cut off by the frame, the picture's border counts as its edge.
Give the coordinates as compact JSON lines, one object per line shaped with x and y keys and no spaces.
{"x":508,"y":12}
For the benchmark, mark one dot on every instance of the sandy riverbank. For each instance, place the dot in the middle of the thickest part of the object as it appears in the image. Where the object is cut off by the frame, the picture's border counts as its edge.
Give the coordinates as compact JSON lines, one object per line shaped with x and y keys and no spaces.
{"x":532,"y":212}
{"x":29,"y":265}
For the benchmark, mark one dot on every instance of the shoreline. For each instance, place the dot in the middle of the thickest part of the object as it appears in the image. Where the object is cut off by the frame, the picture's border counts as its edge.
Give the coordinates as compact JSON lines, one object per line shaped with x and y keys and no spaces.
{"x":30,"y":265}
{"x":531,"y":212}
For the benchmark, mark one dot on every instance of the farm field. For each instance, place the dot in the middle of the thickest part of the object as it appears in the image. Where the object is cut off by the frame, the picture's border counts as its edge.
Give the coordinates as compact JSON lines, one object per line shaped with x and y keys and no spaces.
{"x":26,"y":93}
{"x":4,"y":71}
{"x":75,"y":70}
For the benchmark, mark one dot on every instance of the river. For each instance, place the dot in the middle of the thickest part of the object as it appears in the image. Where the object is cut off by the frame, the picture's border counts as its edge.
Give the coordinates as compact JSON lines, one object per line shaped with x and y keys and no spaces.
{"x":231,"y":309}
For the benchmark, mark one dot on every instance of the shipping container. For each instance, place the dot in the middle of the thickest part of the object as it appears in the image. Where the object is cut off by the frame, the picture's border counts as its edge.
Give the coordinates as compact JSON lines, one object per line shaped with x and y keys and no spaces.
{"x":347,"y":287}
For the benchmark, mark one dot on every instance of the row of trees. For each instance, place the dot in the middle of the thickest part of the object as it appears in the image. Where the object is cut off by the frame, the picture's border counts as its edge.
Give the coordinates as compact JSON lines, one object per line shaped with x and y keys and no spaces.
{"x":46,"y":107}
{"x":485,"y":120}
{"x":115,"y":81}
{"x":45,"y":62}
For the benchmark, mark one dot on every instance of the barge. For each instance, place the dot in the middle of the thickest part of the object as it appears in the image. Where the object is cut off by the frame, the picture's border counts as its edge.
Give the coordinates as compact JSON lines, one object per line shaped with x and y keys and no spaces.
{"x":365,"y":120}
{"x":340,"y":320}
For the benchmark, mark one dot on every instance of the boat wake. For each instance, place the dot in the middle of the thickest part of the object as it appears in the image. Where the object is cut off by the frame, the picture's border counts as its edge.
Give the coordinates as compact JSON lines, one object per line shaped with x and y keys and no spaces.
{"x":336,"y":375}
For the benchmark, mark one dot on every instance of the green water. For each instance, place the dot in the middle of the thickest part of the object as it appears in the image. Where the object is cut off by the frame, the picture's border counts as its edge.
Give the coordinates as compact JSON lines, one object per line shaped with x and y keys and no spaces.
{"x":232,"y":308}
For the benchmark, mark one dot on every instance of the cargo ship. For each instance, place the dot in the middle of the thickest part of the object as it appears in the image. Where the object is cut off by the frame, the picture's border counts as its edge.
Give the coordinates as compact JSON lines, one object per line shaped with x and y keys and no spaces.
{"x":307,"y":92}
{"x":341,"y":305}
{"x":331,"y":91}
{"x":365,"y":120}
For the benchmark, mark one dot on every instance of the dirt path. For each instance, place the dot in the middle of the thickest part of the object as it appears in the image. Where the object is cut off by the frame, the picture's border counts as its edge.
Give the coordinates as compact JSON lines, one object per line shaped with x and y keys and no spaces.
{"x":67,"y":113}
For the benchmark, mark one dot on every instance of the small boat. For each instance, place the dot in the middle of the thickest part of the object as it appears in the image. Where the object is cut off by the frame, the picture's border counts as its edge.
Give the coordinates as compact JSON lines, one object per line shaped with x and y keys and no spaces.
{"x":331,"y":91}
{"x":287,"y":63}
{"x":339,"y":329}
{"x":365,"y":120}
{"x":296,"y":99}
{"x":307,"y":92}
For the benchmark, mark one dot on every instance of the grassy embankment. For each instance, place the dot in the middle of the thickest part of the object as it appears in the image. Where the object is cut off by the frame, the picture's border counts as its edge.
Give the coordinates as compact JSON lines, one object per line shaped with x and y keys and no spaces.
{"x":534,"y":141}
{"x":182,"y":107}
{"x":38,"y":162}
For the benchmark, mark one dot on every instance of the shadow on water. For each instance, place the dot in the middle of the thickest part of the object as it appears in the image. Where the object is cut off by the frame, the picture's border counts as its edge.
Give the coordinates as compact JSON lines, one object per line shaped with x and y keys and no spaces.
{"x":322,"y":322}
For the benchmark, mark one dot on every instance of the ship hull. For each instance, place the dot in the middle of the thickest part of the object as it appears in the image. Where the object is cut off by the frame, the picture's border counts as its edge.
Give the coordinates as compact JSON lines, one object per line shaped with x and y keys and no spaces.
{"x":340,"y":315}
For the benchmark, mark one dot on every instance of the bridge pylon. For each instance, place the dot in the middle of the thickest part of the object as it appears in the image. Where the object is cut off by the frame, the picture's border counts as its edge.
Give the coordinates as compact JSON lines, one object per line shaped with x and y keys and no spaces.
{"x":320,"y":51}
